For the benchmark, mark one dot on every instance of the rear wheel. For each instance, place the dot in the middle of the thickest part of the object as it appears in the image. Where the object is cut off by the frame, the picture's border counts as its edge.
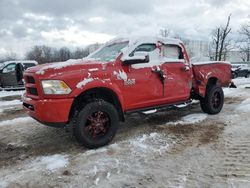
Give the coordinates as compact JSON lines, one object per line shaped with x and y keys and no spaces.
{"x":96,"y":124}
{"x":213,"y":101}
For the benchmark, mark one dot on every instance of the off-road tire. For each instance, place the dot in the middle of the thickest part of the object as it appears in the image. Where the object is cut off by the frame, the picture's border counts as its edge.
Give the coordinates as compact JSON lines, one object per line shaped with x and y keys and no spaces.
{"x":213,"y":101}
{"x":81,"y":120}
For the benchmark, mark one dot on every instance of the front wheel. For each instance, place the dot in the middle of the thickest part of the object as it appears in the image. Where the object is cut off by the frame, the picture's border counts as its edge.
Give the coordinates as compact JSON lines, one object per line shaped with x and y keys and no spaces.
{"x":96,"y":124}
{"x":213,"y":101}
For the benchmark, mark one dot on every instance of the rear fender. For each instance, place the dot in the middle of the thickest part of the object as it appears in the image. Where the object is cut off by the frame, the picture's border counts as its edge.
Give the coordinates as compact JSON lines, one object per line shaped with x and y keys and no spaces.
{"x":211,"y":74}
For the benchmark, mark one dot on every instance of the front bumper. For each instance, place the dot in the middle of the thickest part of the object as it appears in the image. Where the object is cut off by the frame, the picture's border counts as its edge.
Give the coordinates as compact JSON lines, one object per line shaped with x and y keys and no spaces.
{"x":48,"y":111}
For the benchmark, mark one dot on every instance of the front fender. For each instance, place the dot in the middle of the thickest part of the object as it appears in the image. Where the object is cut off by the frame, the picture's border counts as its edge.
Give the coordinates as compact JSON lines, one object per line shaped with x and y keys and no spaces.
{"x":98,"y":83}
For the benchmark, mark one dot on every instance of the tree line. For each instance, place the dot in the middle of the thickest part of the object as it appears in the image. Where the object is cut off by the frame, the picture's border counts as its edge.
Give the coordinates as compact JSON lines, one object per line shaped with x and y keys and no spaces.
{"x":46,"y":54}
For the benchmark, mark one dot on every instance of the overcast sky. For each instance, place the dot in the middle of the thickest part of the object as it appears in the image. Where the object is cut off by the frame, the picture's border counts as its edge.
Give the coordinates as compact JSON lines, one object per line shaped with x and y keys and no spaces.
{"x":24,"y":23}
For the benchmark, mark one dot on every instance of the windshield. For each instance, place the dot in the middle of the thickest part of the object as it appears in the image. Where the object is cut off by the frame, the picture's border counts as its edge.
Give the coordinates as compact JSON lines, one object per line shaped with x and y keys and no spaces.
{"x":109,"y":52}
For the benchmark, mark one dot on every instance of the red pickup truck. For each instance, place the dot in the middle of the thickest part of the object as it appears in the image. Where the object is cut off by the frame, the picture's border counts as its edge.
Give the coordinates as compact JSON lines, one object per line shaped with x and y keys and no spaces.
{"x":125,"y":75}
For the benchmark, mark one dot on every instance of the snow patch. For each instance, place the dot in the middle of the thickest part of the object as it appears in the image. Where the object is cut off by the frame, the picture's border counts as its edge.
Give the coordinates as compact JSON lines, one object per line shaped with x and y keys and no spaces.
{"x":230,"y":92}
{"x":3,"y":184}
{"x":244,"y":106}
{"x":52,"y":162}
{"x":93,"y":70}
{"x":149,"y":143}
{"x":189,"y":119}
{"x":211,"y":62}
{"x":10,"y":93}
{"x":16,"y":121}
{"x":121,"y":75}
{"x":60,"y":65}
{"x":97,"y":181}
{"x":41,"y":72}
{"x":84,"y":82}
{"x":10,"y":103}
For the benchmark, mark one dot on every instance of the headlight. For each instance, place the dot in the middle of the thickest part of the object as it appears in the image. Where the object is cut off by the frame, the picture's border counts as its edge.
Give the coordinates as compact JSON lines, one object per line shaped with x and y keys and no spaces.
{"x":55,"y":87}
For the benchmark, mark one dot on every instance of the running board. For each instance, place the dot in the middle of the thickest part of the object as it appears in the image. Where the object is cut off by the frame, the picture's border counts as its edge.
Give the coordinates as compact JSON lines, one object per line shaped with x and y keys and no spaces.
{"x":153,"y":109}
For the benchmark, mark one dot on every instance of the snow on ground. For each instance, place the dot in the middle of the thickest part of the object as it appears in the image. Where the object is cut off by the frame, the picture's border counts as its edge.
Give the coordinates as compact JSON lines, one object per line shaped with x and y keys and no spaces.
{"x":16,"y":121}
{"x":11,"y":93}
{"x":244,"y":106}
{"x":3,"y":184}
{"x":45,"y":165}
{"x":51,"y":163}
{"x":242,"y":82}
{"x":10,"y":103}
{"x":189,"y":119}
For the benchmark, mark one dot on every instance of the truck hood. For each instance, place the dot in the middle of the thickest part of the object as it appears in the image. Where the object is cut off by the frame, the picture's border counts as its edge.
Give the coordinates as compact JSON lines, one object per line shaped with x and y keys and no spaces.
{"x":67,"y":66}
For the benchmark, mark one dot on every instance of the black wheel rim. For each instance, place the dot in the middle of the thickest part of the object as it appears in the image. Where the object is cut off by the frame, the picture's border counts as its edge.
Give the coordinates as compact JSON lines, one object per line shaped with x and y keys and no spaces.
{"x":97,"y":125}
{"x":216,"y":100}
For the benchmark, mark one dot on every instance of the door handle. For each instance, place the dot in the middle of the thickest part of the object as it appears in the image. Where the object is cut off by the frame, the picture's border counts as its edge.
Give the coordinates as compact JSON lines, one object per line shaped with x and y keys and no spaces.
{"x":186,"y":68}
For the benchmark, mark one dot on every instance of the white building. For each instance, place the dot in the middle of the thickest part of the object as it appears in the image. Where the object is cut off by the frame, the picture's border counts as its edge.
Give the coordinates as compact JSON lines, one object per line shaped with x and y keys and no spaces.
{"x":197,"y":49}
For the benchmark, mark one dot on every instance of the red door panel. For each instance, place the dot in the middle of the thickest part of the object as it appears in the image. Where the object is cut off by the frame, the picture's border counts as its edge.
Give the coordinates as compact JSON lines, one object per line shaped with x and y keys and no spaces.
{"x":141,"y":89}
{"x":178,"y":81}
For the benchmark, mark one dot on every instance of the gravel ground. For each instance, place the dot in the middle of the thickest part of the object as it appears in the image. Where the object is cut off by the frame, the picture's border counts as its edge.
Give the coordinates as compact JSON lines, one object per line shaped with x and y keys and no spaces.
{"x":175,"y":148}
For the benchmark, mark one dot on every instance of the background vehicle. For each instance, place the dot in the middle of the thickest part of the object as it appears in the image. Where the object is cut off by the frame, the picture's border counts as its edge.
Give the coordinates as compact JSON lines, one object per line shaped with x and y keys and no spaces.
{"x":125,"y":76}
{"x":8,"y":73}
{"x":240,"y":70}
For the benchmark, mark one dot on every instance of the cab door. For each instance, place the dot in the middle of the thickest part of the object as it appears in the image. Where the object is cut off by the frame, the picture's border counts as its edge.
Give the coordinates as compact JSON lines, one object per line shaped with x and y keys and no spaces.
{"x":143,"y":87}
{"x":9,"y":75}
{"x":178,"y":75}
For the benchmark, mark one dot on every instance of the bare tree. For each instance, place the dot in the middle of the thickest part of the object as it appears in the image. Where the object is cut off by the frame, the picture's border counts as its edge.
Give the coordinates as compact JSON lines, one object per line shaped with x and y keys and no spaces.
{"x":244,"y":42}
{"x":64,"y":54}
{"x":80,"y":53}
{"x":219,"y":40}
{"x":164,"y":32}
{"x":45,"y":54}
{"x":10,"y":56}
{"x":41,"y":54}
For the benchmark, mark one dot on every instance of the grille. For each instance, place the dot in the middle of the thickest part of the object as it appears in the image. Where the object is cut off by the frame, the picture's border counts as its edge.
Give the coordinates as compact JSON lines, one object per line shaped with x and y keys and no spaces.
{"x":30,"y":80}
{"x":33,"y":91}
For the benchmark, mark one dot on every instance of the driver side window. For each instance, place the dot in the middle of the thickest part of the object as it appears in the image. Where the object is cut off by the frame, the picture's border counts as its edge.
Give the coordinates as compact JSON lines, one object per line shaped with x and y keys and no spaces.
{"x":9,"y":68}
{"x":143,"y":48}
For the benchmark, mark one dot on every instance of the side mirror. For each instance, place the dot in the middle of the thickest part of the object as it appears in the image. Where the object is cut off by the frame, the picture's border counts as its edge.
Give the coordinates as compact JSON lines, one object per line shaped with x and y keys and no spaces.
{"x":138,"y":57}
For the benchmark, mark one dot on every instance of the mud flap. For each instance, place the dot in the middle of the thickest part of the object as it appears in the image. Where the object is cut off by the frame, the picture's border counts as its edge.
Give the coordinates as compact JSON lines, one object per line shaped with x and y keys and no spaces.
{"x":232,"y":85}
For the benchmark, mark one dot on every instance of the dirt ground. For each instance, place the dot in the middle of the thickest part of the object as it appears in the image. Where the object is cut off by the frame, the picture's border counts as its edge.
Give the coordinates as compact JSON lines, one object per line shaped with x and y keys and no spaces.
{"x":157,"y":150}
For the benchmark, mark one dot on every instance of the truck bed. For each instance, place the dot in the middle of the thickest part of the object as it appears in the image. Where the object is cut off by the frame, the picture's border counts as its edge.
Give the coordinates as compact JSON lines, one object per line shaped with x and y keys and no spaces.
{"x":217,"y":70}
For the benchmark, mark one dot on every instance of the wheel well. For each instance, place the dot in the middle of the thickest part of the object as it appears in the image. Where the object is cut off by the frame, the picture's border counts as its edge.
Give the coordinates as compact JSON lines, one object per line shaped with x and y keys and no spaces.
{"x":96,"y":93}
{"x":212,"y":81}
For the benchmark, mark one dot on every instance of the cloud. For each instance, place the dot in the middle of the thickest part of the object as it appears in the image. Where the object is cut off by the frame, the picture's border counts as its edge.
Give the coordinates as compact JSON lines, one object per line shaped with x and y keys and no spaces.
{"x":25,"y":23}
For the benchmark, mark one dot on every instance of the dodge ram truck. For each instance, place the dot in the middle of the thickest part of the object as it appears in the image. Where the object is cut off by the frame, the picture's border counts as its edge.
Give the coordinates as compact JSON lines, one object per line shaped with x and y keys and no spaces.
{"x":92,"y":95}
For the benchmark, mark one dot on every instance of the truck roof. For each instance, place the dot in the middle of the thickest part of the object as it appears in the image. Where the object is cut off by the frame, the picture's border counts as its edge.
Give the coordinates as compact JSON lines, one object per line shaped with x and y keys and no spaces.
{"x":145,"y":39}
